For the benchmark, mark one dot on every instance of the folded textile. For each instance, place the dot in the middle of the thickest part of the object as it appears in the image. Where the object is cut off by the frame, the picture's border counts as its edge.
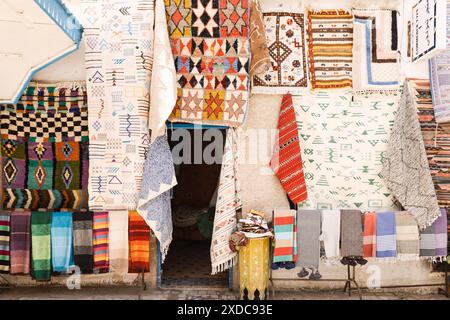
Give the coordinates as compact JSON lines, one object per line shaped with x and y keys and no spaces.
{"x":286,"y":160}
{"x":440,"y":231}
{"x":370,"y":235}
{"x":308,"y":222}
{"x":139,"y":243}
{"x":331,"y":232}
{"x":154,"y":200}
{"x":405,"y":167}
{"x":351,"y":233}
{"x":5,"y":226}
{"x":82,"y":241}
{"x":118,"y":241}
{"x":386,"y":235}
{"x":100,"y":232}
{"x":41,"y":246}
{"x":407,"y":236}
{"x":283,"y":226}
{"x":62,"y":241}
{"x":20,"y":244}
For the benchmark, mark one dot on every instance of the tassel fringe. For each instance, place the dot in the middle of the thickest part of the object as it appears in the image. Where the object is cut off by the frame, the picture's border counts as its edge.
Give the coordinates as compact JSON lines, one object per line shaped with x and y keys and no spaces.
{"x":224,"y":265}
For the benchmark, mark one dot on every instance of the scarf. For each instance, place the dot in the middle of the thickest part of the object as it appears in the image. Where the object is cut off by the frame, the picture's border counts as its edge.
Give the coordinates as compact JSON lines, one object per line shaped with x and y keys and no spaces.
{"x":406,"y":169}
{"x":118,"y":241}
{"x":260,"y":61}
{"x":370,"y":235}
{"x":154,"y":200}
{"x":386,"y":235}
{"x":228,"y":203}
{"x":41,"y":246}
{"x":331,"y":229}
{"x":286,"y":161}
{"x":283,"y":225}
{"x":82,"y":241}
{"x":407,"y":236}
{"x":62,"y":243}
{"x":5,"y":226}
{"x":100,"y":230}
{"x":20,"y":242}
{"x":351,"y":233}
{"x":440,"y":231}
{"x":139,"y":244}
{"x":308,"y":242}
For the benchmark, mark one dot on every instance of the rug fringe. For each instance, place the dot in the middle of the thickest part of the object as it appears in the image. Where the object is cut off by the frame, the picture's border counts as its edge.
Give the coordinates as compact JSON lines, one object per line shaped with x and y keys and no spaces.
{"x":224,"y":265}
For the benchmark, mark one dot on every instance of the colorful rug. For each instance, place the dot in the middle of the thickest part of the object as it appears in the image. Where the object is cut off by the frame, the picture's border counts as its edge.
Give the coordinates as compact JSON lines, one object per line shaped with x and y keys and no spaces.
{"x":283,"y":226}
{"x":139,"y":244}
{"x":5,"y":232}
{"x":375,"y":40}
{"x":100,"y":231}
{"x":82,"y":241}
{"x":331,"y":233}
{"x":118,"y":66}
{"x":260,"y":61}
{"x":286,"y":160}
{"x":308,"y":243}
{"x":386,"y":235}
{"x":62,"y":241}
{"x":408,"y":244}
{"x":370,"y":235}
{"x":44,"y":141}
{"x":211,"y":49}
{"x":20,"y":244}
{"x":118,"y":242}
{"x":41,"y":246}
{"x":351,"y":233}
{"x":330,"y":42}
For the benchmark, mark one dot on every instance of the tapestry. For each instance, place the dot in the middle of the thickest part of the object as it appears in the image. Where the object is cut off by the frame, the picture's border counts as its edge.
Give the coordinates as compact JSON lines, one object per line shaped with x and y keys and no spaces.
{"x":227,"y":206}
{"x":45,"y":141}
{"x":343,"y":145}
{"x":154,"y":200}
{"x":408,"y":244}
{"x":283,"y":225}
{"x":100,"y":241}
{"x":139,"y":244}
{"x":330,"y":42}
{"x":119,"y":53}
{"x":386,"y":235}
{"x":41,"y":246}
{"x":286,"y":161}
{"x":5,"y":226}
{"x":20,"y":242}
{"x":405,"y":166}
{"x":375,"y":39}
{"x":308,"y":243}
{"x":260,"y":61}
{"x":211,"y":49}
{"x":118,"y":242}
{"x":285,"y":33}
{"x":61,"y":234}
{"x":82,"y":241}
{"x":351,"y":233}
{"x":370,"y":235}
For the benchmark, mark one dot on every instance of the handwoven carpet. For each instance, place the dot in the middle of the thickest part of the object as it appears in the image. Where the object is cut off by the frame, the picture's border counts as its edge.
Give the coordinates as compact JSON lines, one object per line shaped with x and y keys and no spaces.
{"x":100,"y":241}
{"x":139,"y":244}
{"x":41,"y":246}
{"x":20,"y":244}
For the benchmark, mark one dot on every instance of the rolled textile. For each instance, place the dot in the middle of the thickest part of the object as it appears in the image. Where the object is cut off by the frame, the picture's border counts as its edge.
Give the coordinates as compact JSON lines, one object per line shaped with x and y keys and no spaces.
{"x":331,"y":232}
{"x":100,"y":231}
{"x":62,"y":243}
{"x":351,"y":233}
{"x":370,"y":235}
{"x":386,"y":235}
{"x":5,"y":226}
{"x":308,"y":226}
{"x":118,"y":241}
{"x":41,"y":246}
{"x":440,"y":231}
{"x":260,"y":61}
{"x":427,"y":242}
{"x":139,"y":243}
{"x":407,"y":236}
{"x":283,"y":225}
{"x":20,"y":242}
{"x":82,"y":241}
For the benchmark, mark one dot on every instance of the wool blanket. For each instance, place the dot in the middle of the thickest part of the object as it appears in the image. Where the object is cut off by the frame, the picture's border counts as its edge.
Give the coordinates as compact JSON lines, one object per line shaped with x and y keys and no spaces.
{"x":370,"y":235}
{"x":82,"y":241}
{"x":100,"y":241}
{"x":330,"y":43}
{"x":331,"y":232}
{"x":45,"y":143}
{"x":154,"y":200}
{"x":5,"y":229}
{"x":260,"y":61}
{"x":283,"y":226}
{"x":119,"y":39}
{"x":41,"y":246}
{"x":375,"y":44}
{"x":20,"y":243}
{"x":118,"y":242}
{"x":351,"y":233}
{"x":406,"y":169}
{"x":407,"y":236}
{"x":286,"y":160}
{"x":386,"y":235}
{"x":440,"y":231}
{"x":61,"y":233}
{"x":308,"y":226}
{"x":139,"y":243}
{"x":227,"y":206}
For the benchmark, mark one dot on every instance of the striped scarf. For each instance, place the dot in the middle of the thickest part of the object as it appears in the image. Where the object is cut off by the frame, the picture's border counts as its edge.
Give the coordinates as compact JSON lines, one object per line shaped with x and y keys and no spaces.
{"x":283,"y":222}
{"x":82,"y":241}
{"x":118,"y":241}
{"x":370,"y":234}
{"x":407,"y":236}
{"x":20,"y":242}
{"x":62,"y":245}
{"x":351,"y":233}
{"x":100,"y":242}
{"x":139,"y":244}
{"x":41,"y":246}
{"x":5,"y":223}
{"x":386,"y":235}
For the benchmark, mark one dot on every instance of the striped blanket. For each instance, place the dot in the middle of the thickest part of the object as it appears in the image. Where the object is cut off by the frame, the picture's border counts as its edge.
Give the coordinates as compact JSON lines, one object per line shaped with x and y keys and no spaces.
{"x":139,"y":244}
{"x":41,"y":246}
{"x":370,"y":234}
{"x":283,"y":224}
{"x":82,"y":241}
{"x":100,"y":230}
{"x":407,"y":236}
{"x":330,"y":43}
{"x":386,"y":235}
{"x":20,"y":242}
{"x":62,"y":243}
{"x":5,"y":222}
